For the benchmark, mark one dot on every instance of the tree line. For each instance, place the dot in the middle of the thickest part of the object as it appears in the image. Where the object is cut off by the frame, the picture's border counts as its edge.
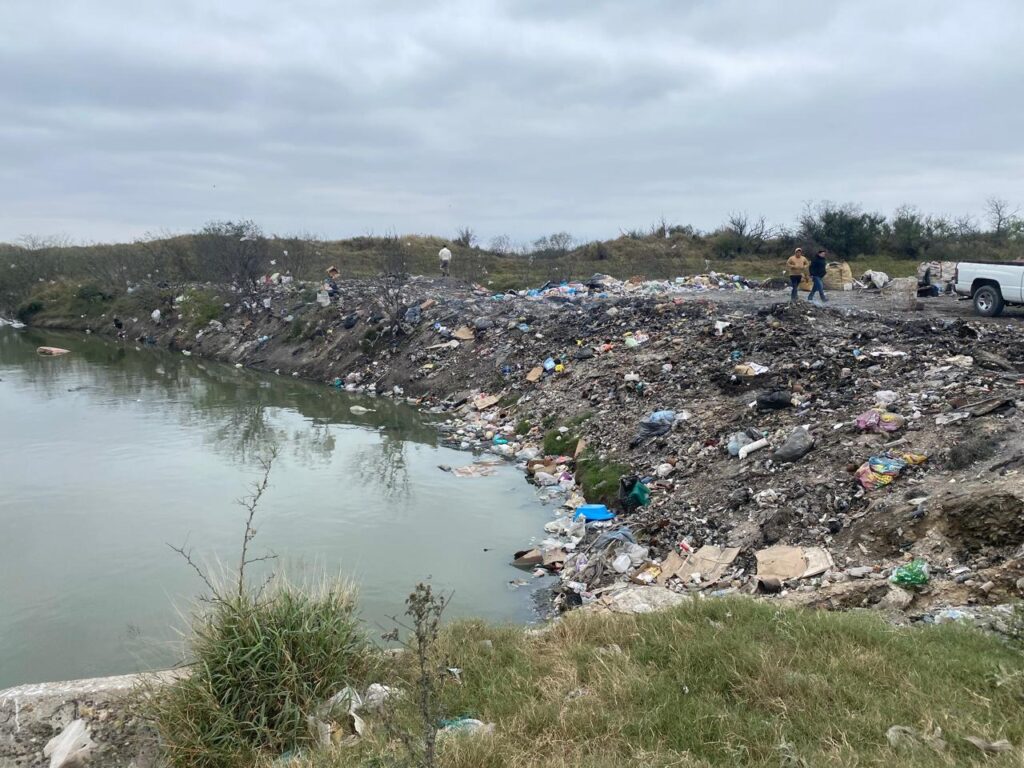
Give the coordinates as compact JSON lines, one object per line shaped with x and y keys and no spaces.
{"x":240,"y":252}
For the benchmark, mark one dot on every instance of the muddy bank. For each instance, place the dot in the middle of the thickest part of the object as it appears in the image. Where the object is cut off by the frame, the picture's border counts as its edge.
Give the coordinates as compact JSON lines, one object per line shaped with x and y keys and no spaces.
{"x":33,"y":718}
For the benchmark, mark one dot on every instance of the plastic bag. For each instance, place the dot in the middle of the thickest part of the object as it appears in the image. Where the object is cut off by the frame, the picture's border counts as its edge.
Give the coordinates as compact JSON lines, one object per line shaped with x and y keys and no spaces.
{"x":880,"y":420}
{"x":879,"y":471}
{"x":913,"y":574}
{"x":773,"y":401}
{"x":632,"y":493}
{"x":657,"y":423}
{"x":796,"y":446}
{"x":739,"y":439}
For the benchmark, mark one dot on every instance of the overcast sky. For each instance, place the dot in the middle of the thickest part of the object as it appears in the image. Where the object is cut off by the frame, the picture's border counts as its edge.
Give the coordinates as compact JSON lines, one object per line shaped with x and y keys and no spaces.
{"x":121,"y":117}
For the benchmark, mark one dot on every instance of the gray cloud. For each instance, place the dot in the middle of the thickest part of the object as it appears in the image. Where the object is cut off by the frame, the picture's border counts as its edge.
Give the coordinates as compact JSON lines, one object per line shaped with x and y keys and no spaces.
{"x":121,"y":117}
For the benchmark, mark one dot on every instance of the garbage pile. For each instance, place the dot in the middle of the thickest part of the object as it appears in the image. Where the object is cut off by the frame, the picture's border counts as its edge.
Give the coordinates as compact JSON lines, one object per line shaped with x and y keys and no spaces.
{"x":784,"y":452}
{"x":603,"y":286}
{"x":713,"y":432}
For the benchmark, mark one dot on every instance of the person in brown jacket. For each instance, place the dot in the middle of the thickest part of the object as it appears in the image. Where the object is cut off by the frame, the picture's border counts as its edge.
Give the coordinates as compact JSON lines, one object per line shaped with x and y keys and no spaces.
{"x":797,"y":266}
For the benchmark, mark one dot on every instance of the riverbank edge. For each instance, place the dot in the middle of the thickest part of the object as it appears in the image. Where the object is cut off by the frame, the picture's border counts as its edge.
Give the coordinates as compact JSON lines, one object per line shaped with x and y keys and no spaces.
{"x":38,"y":708}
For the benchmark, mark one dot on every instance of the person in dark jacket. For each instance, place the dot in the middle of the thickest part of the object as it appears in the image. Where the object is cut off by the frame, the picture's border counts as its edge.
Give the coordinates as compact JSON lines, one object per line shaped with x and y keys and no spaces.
{"x":819,"y":265}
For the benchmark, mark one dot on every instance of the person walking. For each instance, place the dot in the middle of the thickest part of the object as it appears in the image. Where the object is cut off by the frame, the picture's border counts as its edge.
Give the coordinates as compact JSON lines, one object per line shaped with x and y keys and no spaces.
{"x":445,"y":256}
{"x":819,"y":267}
{"x":797,"y":265}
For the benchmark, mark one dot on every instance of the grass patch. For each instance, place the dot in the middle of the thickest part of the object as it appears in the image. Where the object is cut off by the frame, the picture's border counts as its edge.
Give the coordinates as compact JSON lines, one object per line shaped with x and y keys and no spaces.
{"x":299,"y":330}
{"x":143,"y":300}
{"x":200,"y":306}
{"x":64,"y":300}
{"x":260,"y":667}
{"x":558,"y":443}
{"x":522,"y":426}
{"x":599,"y":478}
{"x":726,"y":682}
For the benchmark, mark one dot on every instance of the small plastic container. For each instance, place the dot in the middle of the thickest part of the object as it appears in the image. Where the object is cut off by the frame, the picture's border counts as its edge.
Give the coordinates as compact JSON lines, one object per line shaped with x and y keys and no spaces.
{"x":594,"y":512}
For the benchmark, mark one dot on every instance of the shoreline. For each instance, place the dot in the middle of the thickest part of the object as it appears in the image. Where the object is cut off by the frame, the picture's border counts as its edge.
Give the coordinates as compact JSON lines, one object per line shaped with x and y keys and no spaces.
{"x":471,"y":360}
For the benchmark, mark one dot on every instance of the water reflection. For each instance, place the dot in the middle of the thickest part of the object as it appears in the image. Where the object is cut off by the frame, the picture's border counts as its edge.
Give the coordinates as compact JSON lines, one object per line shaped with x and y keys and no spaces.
{"x":109,"y":454}
{"x":234,"y":408}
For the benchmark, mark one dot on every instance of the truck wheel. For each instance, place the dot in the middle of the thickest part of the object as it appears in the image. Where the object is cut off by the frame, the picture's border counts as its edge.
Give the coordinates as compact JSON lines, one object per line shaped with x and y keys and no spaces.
{"x":988,"y":302}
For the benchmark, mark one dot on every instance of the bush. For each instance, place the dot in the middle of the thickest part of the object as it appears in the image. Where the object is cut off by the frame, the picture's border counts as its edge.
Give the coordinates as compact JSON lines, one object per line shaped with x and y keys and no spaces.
{"x":92,"y":293}
{"x":260,"y":666}
{"x":29,"y":309}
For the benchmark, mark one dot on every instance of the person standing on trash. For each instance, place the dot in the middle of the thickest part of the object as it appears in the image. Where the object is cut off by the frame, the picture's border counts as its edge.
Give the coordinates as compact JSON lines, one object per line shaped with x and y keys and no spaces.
{"x":819,"y":267}
{"x":797,"y":266}
{"x":445,"y":257}
{"x":331,"y":283}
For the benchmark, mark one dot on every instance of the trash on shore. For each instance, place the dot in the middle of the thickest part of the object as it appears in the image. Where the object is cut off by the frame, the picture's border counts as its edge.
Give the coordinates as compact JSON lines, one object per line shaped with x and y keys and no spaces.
{"x":786,"y":562}
{"x":878,"y":471}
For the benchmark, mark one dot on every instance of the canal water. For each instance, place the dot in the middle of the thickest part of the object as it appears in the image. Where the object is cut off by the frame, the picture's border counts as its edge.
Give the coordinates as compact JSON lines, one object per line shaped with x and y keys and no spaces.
{"x":112,"y":453}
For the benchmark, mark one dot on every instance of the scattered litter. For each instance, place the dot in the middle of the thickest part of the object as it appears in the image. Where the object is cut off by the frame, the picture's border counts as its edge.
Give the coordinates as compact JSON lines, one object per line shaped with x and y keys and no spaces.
{"x":913,"y":574}
{"x":879,"y":471}
{"x":69,"y":747}
{"x":467,"y":726}
{"x":989,"y":747}
{"x":786,"y":562}
{"x":710,"y":563}
{"x":880,"y":420}
{"x":751,"y":369}
{"x":474,"y":470}
{"x":796,"y":446}
{"x":594,"y":512}
{"x":483,"y":402}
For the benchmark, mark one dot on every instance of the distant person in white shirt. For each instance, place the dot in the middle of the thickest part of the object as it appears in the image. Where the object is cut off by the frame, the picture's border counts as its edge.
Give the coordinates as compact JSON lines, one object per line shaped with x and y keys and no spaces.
{"x":446,"y":260}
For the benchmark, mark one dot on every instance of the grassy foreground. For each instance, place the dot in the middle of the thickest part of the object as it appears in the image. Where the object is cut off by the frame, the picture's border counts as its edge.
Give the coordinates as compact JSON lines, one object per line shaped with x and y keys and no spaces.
{"x":716,"y":683}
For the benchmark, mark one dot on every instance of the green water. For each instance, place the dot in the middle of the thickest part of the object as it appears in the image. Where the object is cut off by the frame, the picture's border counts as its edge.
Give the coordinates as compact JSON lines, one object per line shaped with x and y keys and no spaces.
{"x":109,"y":454}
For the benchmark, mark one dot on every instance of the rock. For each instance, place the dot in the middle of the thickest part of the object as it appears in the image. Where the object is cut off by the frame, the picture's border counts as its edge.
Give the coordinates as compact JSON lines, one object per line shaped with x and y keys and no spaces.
{"x":860,"y":571}
{"x":896,"y":599}
{"x":861,"y":593}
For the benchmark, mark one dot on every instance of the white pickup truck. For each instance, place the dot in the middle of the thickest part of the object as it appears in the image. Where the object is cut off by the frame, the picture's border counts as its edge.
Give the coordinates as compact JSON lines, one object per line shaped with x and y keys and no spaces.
{"x":991,"y":284}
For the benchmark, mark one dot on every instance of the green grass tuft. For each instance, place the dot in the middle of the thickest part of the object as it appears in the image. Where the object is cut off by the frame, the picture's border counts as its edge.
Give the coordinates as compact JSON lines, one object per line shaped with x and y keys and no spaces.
{"x":200,"y":306}
{"x":599,"y":478}
{"x":260,"y":667}
{"x":558,"y":443}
